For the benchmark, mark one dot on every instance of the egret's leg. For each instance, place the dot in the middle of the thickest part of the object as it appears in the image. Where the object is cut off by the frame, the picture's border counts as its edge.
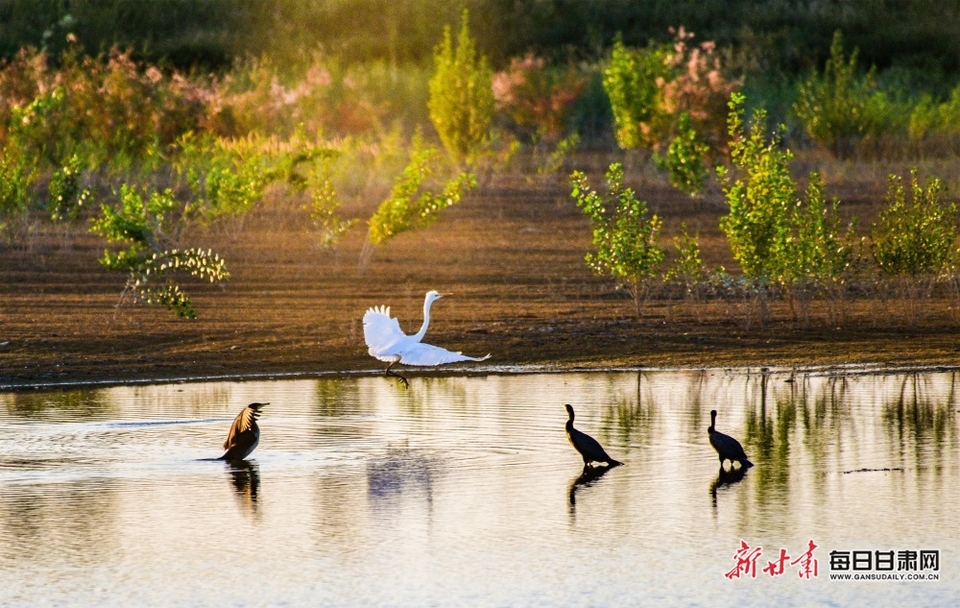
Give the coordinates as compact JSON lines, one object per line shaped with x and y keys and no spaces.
{"x":389,"y":372}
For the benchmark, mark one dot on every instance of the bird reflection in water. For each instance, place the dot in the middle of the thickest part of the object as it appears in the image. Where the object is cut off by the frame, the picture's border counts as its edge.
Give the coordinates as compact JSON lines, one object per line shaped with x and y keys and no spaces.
{"x":726,"y":477}
{"x":401,"y":471}
{"x":587,"y":478}
{"x":245,"y":478}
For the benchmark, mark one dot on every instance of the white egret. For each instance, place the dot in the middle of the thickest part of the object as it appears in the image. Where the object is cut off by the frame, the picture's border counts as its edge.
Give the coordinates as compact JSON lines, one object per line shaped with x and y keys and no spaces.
{"x":589,"y":448}
{"x":726,"y":446}
{"x":244,"y":434}
{"x":386,"y":342}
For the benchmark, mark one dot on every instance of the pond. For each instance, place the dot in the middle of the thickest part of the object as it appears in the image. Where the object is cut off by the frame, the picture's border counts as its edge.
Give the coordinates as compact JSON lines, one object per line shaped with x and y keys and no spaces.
{"x":465,"y":491}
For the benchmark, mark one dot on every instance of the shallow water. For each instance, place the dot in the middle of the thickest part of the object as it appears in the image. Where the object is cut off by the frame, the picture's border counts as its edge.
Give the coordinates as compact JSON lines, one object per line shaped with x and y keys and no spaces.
{"x":464,"y":491}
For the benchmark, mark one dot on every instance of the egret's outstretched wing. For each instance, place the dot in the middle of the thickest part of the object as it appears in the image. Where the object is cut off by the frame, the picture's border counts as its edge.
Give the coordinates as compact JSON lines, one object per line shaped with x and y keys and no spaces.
{"x":427,"y":354}
{"x":380,"y":330}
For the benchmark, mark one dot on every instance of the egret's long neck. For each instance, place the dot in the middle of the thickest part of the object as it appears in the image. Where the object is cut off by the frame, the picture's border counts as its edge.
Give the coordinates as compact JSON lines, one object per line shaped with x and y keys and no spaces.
{"x":426,"y":320}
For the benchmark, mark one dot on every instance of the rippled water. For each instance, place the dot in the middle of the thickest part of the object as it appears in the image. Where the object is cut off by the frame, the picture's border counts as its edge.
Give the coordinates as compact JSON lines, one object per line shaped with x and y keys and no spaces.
{"x":464,"y":491}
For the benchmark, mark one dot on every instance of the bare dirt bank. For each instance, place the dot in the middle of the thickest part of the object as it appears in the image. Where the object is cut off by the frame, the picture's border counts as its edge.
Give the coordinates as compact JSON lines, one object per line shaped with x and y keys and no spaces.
{"x":511,"y":255}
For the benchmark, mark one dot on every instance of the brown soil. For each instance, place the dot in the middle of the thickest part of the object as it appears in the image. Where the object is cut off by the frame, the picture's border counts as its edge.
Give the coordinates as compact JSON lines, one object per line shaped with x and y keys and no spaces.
{"x":511,"y":255}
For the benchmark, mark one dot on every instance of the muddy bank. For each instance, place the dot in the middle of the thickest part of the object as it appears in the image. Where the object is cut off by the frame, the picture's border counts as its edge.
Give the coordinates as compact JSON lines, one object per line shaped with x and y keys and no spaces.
{"x":511,"y":255}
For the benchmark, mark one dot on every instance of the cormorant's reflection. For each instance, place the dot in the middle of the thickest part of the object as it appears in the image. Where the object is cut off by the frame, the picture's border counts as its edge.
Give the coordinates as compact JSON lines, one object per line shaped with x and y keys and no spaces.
{"x":726,"y":478}
{"x":586,"y":479}
{"x":245,"y":477}
{"x":401,"y":471}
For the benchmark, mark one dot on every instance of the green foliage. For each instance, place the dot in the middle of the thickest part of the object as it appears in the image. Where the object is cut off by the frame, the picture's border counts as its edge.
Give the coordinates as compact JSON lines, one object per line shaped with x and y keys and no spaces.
{"x":672,"y":98}
{"x":148,"y":227}
{"x":777,"y":236}
{"x":820,"y":251}
{"x":223,"y":182}
{"x":17,"y":173}
{"x":624,"y":236}
{"x":565,"y":147}
{"x":687,"y":267}
{"x":324,"y":211}
{"x":916,"y":237}
{"x":107,"y":109}
{"x":684,"y":160}
{"x":461,"y":98}
{"x":936,"y":125}
{"x":838,"y":108}
{"x":631,"y":82}
{"x":413,"y":202}
{"x":228,"y":177}
{"x":760,"y":199}
{"x":67,"y":199}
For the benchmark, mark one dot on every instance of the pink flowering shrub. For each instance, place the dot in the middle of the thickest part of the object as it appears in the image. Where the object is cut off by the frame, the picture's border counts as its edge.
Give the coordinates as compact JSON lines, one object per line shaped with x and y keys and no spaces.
{"x":535,"y":99}
{"x":651,"y":89}
{"x":110,"y":109}
{"x":698,"y":87}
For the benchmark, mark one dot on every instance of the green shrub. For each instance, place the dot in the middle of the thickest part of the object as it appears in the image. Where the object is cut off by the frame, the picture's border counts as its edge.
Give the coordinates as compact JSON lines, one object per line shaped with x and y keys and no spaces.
{"x":936,"y":125}
{"x":17,"y":174}
{"x":624,"y":236}
{"x":916,"y":237}
{"x":414,"y":202}
{"x":149,"y":228}
{"x":461,"y":98}
{"x":67,"y":199}
{"x":631,"y":82}
{"x":684,"y":159}
{"x":761,"y":196}
{"x":324,"y":210}
{"x":223,"y":182}
{"x":779,"y":238}
{"x":838,"y":109}
{"x":671,"y":99}
{"x":564,"y":149}
{"x":821,"y":251}
{"x":687,"y":270}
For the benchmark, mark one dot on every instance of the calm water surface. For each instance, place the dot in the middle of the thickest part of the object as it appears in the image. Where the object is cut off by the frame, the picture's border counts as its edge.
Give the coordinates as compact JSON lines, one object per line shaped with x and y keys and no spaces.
{"x":464,"y":491}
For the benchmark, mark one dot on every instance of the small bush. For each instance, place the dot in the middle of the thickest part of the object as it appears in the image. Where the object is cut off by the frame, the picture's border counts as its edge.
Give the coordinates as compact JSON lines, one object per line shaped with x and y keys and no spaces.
{"x":631,"y":82}
{"x":324,"y":209}
{"x":672,"y":98}
{"x":66,"y":198}
{"x":624,"y":236}
{"x":537,"y":100}
{"x":461,"y":98}
{"x":414,"y":201}
{"x":839,"y":108}
{"x":761,"y":196}
{"x":780,"y":239}
{"x":684,"y":159}
{"x":17,"y":173}
{"x":150,"y":228}
{"x":916,"y":237}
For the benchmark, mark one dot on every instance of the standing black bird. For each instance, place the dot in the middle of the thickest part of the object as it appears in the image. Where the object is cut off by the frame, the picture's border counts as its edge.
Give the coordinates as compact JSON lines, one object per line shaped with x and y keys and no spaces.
{"x":244,"y":434}
{"x":589,"y":448}
{"x":726,"y":446}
